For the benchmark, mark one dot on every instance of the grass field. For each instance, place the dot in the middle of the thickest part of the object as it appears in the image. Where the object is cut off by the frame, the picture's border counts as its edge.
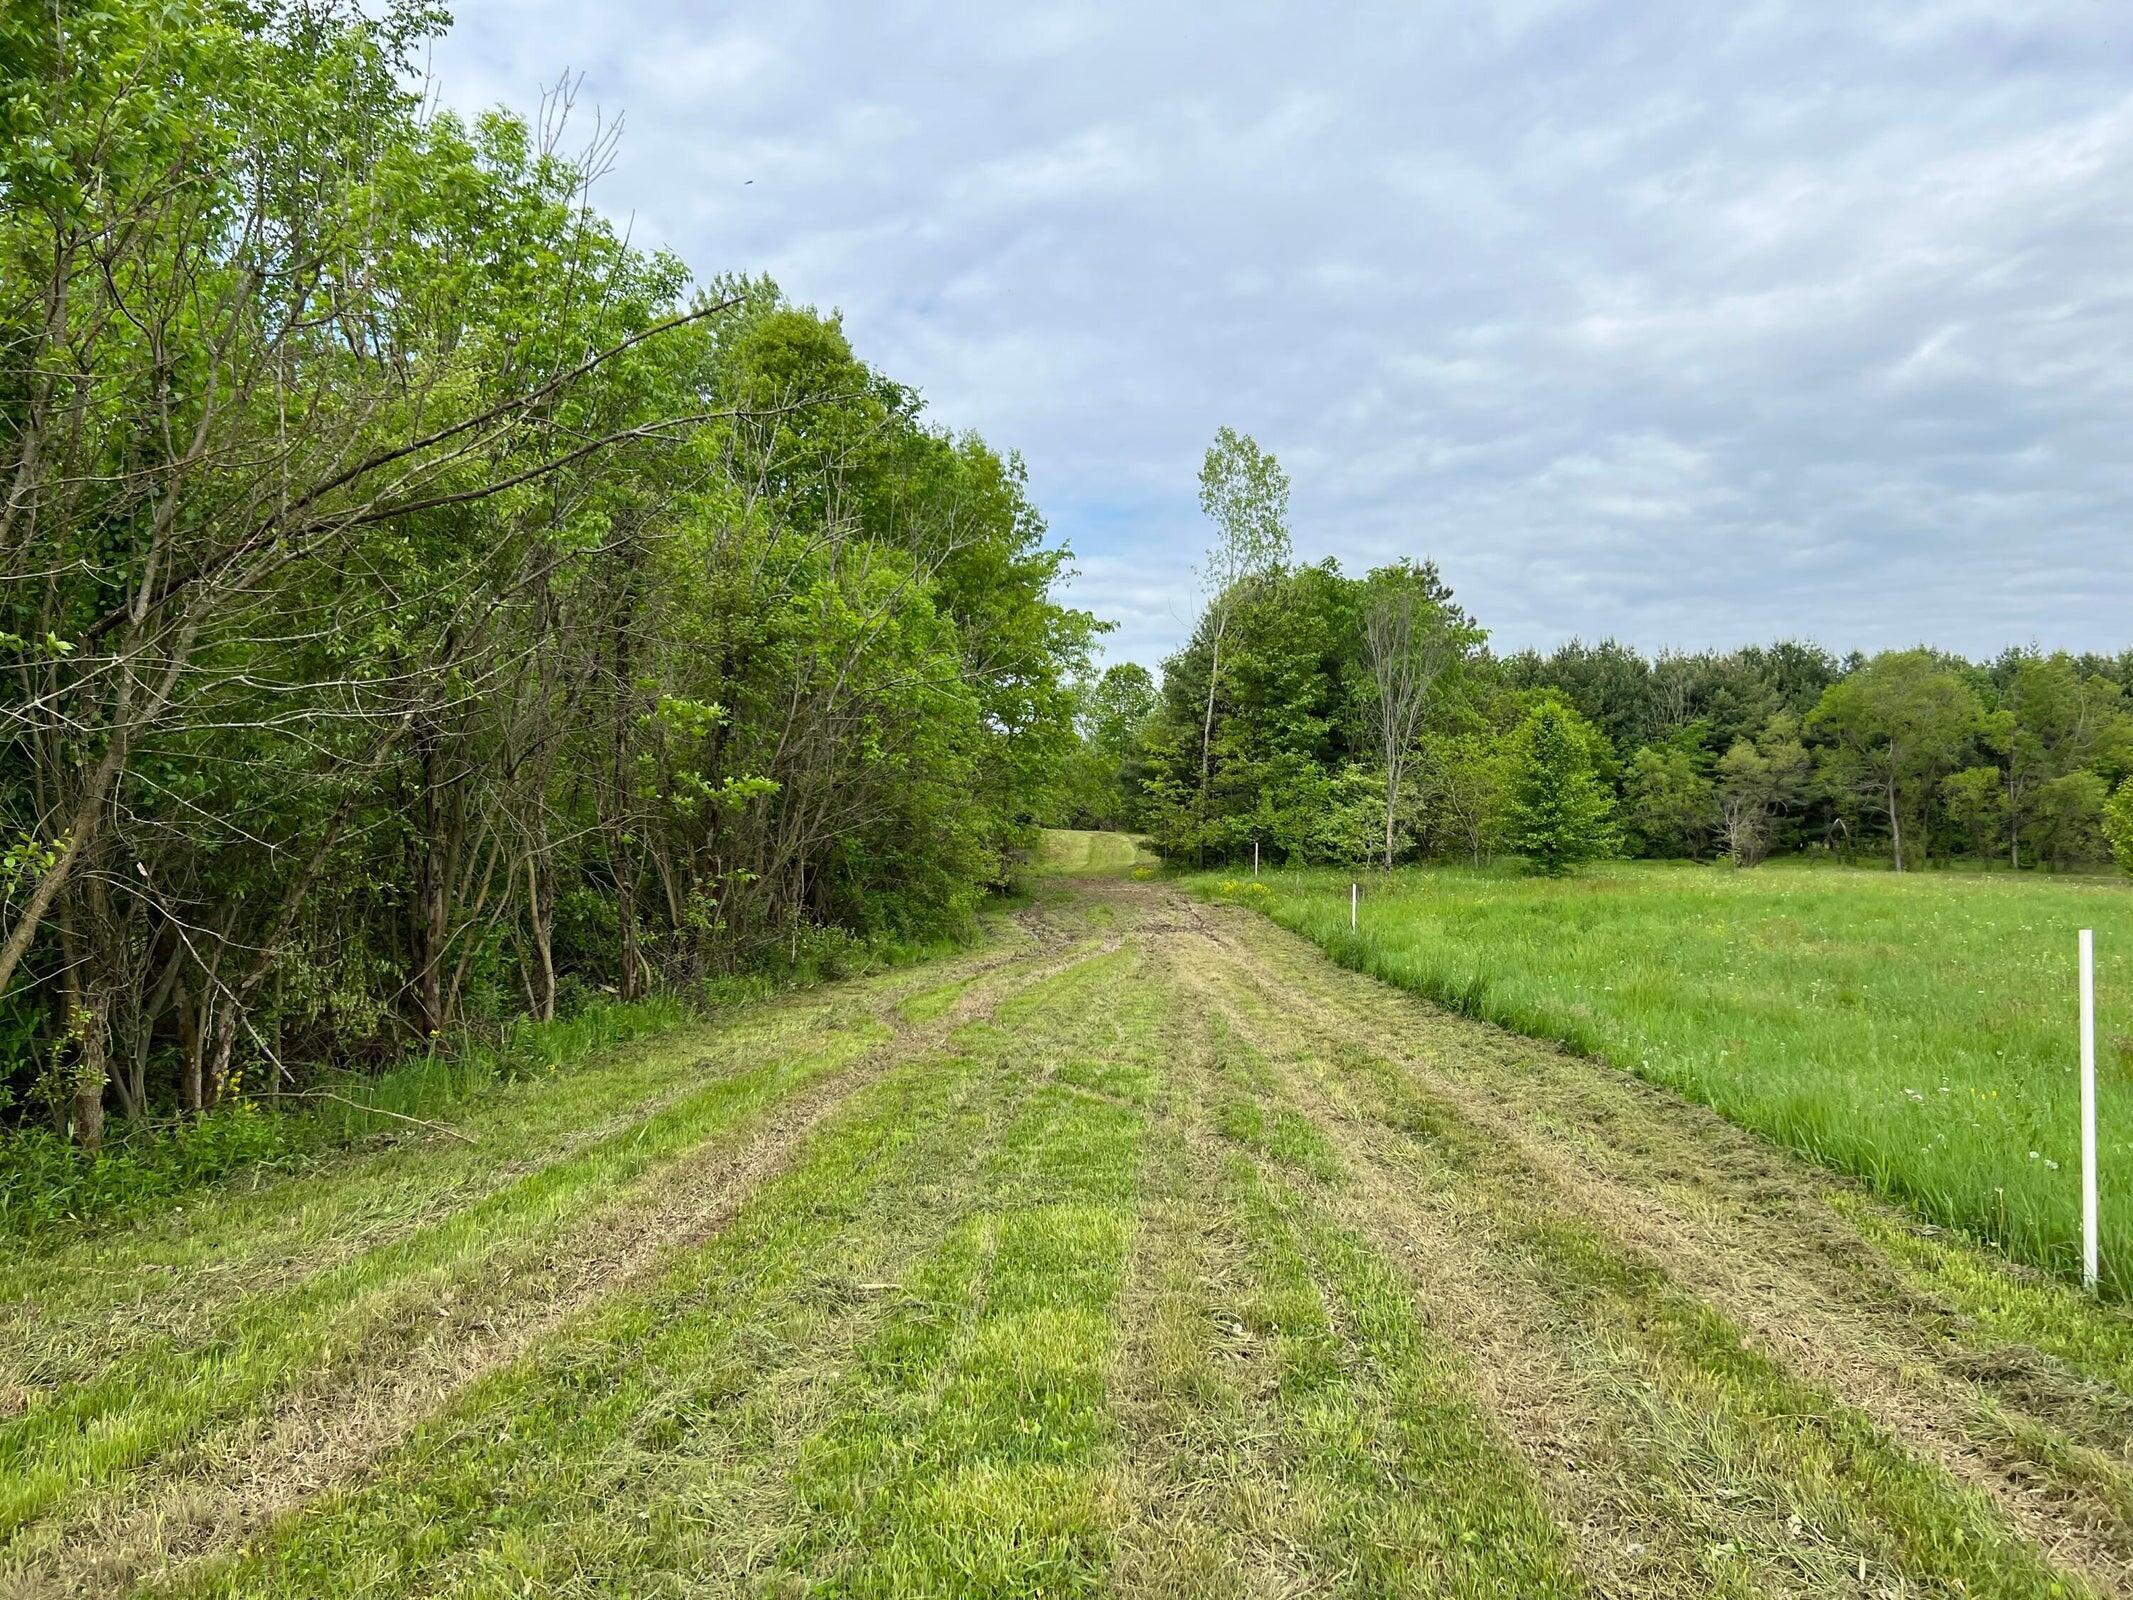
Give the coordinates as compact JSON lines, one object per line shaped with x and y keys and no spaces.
{"x":1918,"y":1031}
{"x":1138,"y":1250}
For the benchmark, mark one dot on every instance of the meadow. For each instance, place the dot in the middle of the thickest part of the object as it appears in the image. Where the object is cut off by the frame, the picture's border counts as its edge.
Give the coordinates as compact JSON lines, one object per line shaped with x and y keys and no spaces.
{"x":1916,"y":1031}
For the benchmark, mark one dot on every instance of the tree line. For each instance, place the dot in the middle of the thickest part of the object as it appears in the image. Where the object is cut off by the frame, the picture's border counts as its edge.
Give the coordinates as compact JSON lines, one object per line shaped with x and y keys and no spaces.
{"x":419,"y":605}
{"x":1320,"y":717}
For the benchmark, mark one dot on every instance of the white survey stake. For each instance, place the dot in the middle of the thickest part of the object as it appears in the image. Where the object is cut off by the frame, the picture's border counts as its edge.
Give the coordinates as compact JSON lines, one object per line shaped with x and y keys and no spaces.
{"x":2089,"y":1252}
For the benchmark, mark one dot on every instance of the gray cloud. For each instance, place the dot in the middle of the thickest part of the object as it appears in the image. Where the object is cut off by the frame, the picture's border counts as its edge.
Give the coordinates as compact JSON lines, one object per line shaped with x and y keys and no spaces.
{"x":1690,"y":324}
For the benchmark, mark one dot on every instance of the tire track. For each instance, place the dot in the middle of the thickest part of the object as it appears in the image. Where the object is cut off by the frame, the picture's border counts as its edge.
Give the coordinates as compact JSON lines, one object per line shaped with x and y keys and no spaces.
{"x":36,"y":1354}
{"x":1763,"y":1246}
{"x":1735,"y":1224}
{"x":223,"y":1485}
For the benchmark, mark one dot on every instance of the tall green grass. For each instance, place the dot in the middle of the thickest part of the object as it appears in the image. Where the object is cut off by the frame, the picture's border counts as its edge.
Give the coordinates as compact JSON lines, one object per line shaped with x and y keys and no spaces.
{"x":1917,"y":1031}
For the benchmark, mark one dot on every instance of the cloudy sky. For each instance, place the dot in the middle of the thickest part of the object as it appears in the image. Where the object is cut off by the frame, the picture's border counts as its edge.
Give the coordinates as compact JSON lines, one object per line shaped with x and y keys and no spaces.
{"x":1691,"y":324}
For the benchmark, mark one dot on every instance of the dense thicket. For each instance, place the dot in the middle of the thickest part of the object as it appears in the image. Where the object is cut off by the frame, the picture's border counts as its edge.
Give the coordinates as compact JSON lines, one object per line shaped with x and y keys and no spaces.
{"x":1331,"y":718}
{"x":417,"y":604}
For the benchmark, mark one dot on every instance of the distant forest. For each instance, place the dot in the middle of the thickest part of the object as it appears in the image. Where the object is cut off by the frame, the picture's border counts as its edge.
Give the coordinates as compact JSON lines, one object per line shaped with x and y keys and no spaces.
{"x":1328,"y":718}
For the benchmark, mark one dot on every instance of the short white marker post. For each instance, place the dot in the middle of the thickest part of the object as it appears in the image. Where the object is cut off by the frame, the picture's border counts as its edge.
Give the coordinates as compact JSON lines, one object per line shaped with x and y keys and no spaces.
{"x":1255,"y":858}
{"x":1353,"y":892}
{"x":2088,"y":1109}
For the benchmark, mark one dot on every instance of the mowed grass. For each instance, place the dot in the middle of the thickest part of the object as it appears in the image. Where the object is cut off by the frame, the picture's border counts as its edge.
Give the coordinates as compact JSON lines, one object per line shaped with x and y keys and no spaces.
{"x":1917,"y":1031}
{"x":884,"y":1377}
{"x":1077,"y":850}
{"x":136,"y":1398}
{"x":1082,"y":1265}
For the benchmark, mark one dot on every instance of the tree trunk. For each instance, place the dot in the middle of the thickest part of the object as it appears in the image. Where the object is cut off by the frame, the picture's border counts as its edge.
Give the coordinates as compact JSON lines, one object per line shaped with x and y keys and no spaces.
{"x":132,"y":1083}
{"x":540,"y":912}
{"x":1207,"y":739}
{"x":190,"y":1044}
{"x":618,"y":823}
{"x":430,"y":906}
{"x":1392,"y":795}
{"x":281,"y":1049}
{"x":1895,"y":824}
{"x":225,"y":1048}
{"x":1207,"y":725}
{"x":92,"y":1071}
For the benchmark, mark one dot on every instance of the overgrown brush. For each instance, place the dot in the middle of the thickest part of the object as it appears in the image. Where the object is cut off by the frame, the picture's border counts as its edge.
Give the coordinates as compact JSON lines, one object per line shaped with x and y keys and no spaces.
{"x":47,"y":1182}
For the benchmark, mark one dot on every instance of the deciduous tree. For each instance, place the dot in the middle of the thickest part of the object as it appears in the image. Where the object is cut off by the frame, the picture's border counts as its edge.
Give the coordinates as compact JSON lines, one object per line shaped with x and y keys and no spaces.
{"x":1758,"y":782}
{"x":1245,"y":494}
{"x":1559,"y":813}
{"x":1894,"y":727}
{"x":1415,"y":642}
{"x":2118,"y":824}
{"x":1672,"y":806}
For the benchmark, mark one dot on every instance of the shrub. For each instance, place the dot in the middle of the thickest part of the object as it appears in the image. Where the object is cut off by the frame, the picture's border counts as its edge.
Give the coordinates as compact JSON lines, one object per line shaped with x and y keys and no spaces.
{"x":2118,"y":824}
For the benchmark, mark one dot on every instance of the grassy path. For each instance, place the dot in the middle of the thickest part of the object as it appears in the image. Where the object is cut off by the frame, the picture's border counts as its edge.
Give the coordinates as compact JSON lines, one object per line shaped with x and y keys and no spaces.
{"x":1075,"y":851}
{"x":1139,"y":1251}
